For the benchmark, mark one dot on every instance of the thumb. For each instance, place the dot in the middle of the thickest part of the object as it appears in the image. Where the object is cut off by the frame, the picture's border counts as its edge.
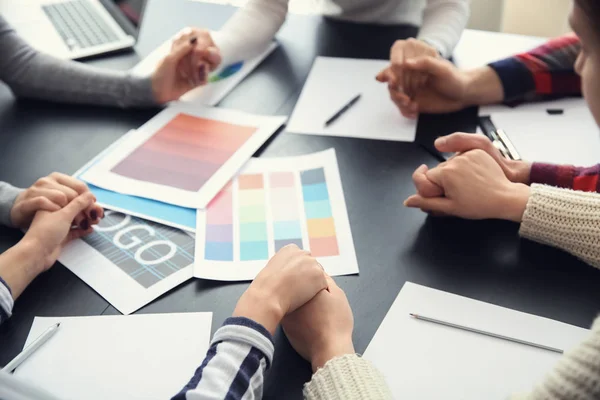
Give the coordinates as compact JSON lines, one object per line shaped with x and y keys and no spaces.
{"x":383,"y":75}
{"x":431,"y":65}
{"x":77,"y":205}
{"x":463,"y":142}
{"x":441,"y":205}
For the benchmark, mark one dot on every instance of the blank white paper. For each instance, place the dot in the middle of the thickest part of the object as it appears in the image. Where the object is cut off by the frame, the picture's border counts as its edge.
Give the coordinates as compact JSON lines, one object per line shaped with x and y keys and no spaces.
{"x":423,"y":360}
{"x":479,"y":48}
{"x":571,"y":138}
{"x":331,"y":84}
{"x":145,"y":357}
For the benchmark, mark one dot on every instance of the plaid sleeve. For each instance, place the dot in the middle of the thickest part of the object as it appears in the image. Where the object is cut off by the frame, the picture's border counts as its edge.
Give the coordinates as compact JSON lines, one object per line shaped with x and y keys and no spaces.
{"x":543,"y":73}
{"x":567,"y":176}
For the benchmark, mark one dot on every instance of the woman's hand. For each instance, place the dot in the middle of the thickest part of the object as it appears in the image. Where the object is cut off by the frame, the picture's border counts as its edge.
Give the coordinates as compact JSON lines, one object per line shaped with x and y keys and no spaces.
{"x":290,"y":279}
{"x":50,"y":231}
{"x":474,"y":187}
{"x":322,"y":329}
{"x":51,"y":193}
{"x":193,"y":56}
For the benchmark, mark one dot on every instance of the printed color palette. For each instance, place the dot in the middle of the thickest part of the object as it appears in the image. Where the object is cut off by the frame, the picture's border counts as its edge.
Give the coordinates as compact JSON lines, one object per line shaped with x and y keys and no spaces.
{"x":275,"y":202}
{"x":319,"y":219}
{"x":261,"y":232}
{"x":185,"y":153}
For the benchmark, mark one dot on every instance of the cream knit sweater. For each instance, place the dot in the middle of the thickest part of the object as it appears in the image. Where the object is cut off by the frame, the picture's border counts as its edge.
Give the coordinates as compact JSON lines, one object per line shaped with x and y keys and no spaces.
{"x":557,"y":217}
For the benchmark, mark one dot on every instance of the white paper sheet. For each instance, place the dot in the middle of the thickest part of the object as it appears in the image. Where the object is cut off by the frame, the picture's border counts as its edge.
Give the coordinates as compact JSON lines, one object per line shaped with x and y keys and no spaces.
{"x":148,"y":356}
{"x":101,"y":175}
{"x":130,"y":261}
{"x":220,"y":82}
{"x":478,"y":48}
{"x":571,"y":138}
{"x":333,"y":82}
{"x":422,"y":360}
{"x":280,"y":213}
{"x":569,"y":103}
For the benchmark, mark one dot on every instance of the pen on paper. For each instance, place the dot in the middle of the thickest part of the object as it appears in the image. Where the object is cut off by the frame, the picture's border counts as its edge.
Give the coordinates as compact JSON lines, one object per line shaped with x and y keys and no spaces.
{"x":29,"y":350}
{"x":343,"y":110}
{"x":485,"y":333}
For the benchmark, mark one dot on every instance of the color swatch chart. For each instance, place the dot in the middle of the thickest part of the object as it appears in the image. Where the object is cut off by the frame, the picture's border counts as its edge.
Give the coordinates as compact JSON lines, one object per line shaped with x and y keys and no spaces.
{"x":260,"y":212}
{"x":184,"y":153}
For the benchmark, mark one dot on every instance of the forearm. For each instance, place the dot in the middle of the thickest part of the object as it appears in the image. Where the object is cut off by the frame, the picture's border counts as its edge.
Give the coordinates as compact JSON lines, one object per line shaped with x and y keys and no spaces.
{"x":19,"y":266}
{"x":544,"y":72}
{"x":240,"y":353}
{"x":250,"y":30}
{"x":564,"y":219}
{"x":30,"y":73}
{"x":443,"y":23}
{"x":575,"y":374}
{"x":348,"y":377}
{"x":484,"y":87}
{"x":567,"y":176}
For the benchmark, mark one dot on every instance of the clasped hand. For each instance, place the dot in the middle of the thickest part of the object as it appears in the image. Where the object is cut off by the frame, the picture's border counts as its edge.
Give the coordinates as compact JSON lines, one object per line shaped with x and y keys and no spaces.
{"x":477,"y":183}
{"x":293,"y":289}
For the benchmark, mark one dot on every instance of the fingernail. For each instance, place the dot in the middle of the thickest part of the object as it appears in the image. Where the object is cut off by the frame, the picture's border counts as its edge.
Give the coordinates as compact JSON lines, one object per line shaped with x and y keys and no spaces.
{"x":84,"y":225}
{"x":440,"y":141}
{"x":406,"y":203}
{"x":94,"y":215}
{"x":193,"y":40}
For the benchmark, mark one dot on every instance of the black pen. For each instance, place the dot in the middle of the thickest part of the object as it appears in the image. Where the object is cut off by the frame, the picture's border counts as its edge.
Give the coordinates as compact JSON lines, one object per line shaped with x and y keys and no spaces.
{"x":343,"y":110}
{"x":436,"y":154}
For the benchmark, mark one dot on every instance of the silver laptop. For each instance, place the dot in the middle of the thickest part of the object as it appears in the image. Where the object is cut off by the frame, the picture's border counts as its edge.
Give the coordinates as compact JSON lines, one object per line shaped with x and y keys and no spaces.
{"x":70,"y":28}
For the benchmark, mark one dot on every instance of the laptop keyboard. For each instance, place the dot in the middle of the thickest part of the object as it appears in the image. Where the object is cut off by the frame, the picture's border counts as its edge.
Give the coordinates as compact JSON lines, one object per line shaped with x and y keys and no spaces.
{"x":79,"y":24}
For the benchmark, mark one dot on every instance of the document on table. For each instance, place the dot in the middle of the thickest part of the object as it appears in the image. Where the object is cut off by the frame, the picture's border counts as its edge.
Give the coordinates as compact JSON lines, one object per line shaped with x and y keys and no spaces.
{"x":274,"y":202}
{"x":220,"y":82}
{"x":421,"y":360}
{"x":147,"y":356}
{"x":569,"y":138}
{"x":331,"y":84}
{"x":184,"y":155}
{"x":478,"y":48}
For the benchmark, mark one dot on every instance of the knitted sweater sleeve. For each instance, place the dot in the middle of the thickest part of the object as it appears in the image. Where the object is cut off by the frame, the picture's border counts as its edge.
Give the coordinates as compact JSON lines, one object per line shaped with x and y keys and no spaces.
{"x":348,"y":377}
{"x":566,"y":219}
{"x":575,"y":375}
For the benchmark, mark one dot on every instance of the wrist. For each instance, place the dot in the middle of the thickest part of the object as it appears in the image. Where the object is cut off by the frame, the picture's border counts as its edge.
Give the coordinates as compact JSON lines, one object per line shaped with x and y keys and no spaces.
{"x":515,"y":202}
{"x":261,"y":308}
{"x":522,"y":172}
{"x":330,"y":352}
{"x":483,"y":86}
{"x":32,"y":255}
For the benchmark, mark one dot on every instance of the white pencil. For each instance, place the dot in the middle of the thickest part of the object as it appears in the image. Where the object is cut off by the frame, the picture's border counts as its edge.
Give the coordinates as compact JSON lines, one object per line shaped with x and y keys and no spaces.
{"x":29,"y":350}
{"x":491,"y":334}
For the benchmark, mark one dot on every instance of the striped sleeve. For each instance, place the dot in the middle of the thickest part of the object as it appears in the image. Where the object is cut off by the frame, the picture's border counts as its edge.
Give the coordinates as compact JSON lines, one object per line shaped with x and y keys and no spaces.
{"x":543,"y":73}
{"x":240,"y":353}
{"x":6,"y":301}
{"x":567,"y":177}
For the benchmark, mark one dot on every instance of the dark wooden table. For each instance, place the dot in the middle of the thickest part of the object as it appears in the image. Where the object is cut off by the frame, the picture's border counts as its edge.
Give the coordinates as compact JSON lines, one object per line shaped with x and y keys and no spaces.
{"x":484,"y":260}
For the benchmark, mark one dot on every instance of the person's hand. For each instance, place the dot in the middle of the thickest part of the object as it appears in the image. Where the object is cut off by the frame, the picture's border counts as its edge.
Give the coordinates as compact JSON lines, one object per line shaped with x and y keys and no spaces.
{"x":290,"y":279}
{"x":193,"y":55}
{"x":51,"y":231}
{"x":515,"y":171}
{"x":475,"y":187}
{"x":51,"y":193}
{"x":322,"y":329}
{"x":397,"y":76}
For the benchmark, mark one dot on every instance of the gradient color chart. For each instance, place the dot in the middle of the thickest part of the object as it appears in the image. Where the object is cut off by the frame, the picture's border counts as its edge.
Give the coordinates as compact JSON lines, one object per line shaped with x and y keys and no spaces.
{"x":319,"y":218}
{"x":285,"y":210}
{"x":254,"y":244}
{"x":219,"y":227}
{"x":185,"y":153}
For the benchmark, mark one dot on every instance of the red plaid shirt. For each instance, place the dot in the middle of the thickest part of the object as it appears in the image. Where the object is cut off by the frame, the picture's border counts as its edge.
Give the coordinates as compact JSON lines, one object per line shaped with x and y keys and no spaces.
{"x":544,"y":73}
